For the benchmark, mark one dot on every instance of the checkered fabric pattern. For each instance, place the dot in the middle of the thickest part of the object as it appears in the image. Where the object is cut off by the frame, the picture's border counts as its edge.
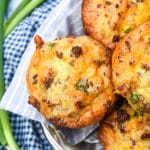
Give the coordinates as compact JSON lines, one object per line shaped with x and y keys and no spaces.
{"x":28,"y":134}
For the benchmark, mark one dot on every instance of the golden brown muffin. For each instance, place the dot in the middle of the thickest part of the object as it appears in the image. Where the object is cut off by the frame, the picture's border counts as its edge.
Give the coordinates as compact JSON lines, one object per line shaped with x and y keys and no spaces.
{"x":69,"y":81}
{"x":131,"y":68}
{"x":125,"y":130}
{"x":108,"y":20}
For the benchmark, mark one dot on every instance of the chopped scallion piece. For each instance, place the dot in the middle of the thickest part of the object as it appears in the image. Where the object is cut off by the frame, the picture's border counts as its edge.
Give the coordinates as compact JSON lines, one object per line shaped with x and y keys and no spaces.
{"x":51,"y":45}
{"x":82,"y":86}
{"x":127,"y":29}
{"x":139,"y":111}
{"x":134,"y":98}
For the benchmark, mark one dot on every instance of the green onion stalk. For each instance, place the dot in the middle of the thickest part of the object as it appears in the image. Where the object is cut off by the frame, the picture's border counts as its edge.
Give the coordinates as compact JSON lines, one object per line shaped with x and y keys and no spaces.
{"x":18,"y":9}
{"x":7,"y":137}
{"x":18,"y":16}
{"x":25,"y":7}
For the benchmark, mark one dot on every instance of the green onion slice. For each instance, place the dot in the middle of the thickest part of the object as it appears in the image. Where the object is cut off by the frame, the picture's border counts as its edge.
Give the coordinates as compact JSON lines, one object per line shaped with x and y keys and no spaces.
{"x":134,"y":98}
{"x":127,"y":29}
{"x":82,"y":86}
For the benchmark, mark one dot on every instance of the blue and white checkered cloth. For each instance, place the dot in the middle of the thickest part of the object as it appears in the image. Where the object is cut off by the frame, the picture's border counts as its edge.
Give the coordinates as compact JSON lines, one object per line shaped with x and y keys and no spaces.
{"x":28,"y":133}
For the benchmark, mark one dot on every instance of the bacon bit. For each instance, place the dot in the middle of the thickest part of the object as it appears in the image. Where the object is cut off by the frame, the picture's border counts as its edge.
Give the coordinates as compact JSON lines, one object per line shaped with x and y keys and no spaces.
{"x":132,"y":62}
{"x":48,"y":81}
{"x":117,"y":5}
{"x":35,"y":81}
{"x":116,"y":38}
{"x":44,"y":100}
{"x":133,"y":142}
{"x":108,"y":2}
{"x":99,"y":5}
{"x":35,"y":76}
{"x":78,"y":104}
{"x":76,"y":51}
{"x":91,"y":83}
{"x":122,"y":116}
{"x":38,"y":41}
{"x":99,"y":62}
{"x":117,"y":74}
{"x":122,"y":128}
{"x":146,"y":67}
{"x":49,"y":104}
{"x":119,"y":15}
{"x":71,"y":115}
{"x":145,"y":136}
{"x":34,"y":102}
{"x":108,"y":50}
{"x":114,"y":26}
{"x":59,"y":54}
{"x":146,"y":107}
{"x":127,"y":43}
{"x":106,"y":15}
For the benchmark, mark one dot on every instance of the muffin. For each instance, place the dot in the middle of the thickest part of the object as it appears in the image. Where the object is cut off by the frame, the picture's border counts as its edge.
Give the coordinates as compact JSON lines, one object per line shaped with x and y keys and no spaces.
{"x":109,"y":20}
{"x":131,"y":68}
{"x":124,"y":129}
{"x":69,"y":81}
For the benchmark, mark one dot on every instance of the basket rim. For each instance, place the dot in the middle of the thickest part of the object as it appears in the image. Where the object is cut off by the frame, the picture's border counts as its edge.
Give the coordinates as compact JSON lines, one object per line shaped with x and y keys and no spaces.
{"x":50,"y":138}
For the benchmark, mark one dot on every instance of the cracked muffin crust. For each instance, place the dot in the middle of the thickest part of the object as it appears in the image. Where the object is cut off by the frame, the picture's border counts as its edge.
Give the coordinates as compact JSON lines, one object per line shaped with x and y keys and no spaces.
{"x":123,"y":129}
{"x":109,"y":20}
{"x":69,"y":81}
{"x":131,"y":68}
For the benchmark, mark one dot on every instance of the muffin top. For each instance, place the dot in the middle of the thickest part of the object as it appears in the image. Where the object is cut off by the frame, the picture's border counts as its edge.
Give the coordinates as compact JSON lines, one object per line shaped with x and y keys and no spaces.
{"x":109,"y":20}
{"x":124,"y":129}
{"x":131,"y":68}
{"x":69,"y":81}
